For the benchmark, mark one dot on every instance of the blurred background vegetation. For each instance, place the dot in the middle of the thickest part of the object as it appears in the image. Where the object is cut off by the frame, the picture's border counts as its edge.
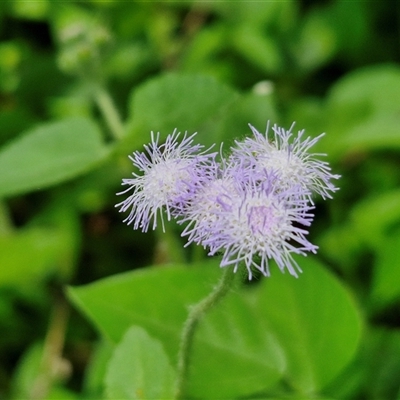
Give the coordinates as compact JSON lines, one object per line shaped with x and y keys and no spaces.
{"x":331,"y":66}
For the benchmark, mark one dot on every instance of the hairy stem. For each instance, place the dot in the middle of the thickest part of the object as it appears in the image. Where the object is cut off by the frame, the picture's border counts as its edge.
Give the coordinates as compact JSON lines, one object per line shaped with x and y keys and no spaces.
{"x":189,"y":328}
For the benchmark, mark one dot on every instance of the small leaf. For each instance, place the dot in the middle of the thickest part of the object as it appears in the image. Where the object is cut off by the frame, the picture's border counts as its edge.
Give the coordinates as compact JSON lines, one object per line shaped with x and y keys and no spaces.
{"x":139,"y":368}
{"x":50,"y":154}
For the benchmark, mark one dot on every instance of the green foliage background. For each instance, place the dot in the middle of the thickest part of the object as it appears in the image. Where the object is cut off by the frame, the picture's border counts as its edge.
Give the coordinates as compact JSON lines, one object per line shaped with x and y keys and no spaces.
{"x":90,"y":308}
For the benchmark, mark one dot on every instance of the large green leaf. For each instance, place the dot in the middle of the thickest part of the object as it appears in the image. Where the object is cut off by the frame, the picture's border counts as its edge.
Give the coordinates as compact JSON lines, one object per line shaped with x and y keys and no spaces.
{"x":50,"y":154}
{"x":238,"y":347}
{"x":315,"y":321}
{"x":186,"y":102}
{"x":139,"y":368}
{"x":228,"y":352}
{"x":235,"y":352}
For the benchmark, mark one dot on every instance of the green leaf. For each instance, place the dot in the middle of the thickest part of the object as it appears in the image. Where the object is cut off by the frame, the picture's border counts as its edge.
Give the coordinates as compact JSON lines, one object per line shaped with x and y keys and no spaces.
{"x":29,"y":376}
{"x":380,"y":363}
{"x":373,"y":217}
{"x":235,"y":352}
{"x":315,"y":320}
{"x":29,"y":255}
{"x":386,"y":278}
{"x":186,"y":102}
{"x":362,"y":110}
{"x":141,"y":297}
{"x":93,"y":383}
{"x":379,"y":132}
{"x":139,"y":368}
{"x":258,"y":48}
{"x":316,"y":42}
{"x":373,"y":89}
{"x":50,"y":154}
{"x":27,"y":371}
{"x":157,"y":299}
{"x":255,"y":108}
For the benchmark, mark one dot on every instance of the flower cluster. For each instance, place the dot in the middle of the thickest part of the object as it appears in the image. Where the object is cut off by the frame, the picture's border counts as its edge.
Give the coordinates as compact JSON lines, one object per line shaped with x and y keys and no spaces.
{"x":253,"y":206}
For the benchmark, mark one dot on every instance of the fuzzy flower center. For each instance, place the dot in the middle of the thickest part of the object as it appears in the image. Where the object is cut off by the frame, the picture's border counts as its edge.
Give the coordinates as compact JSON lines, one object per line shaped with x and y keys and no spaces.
{"x":290,"y":167}
{"x":212,"y":199}
{"x":166,"y":181}
{"x":262,"y":221}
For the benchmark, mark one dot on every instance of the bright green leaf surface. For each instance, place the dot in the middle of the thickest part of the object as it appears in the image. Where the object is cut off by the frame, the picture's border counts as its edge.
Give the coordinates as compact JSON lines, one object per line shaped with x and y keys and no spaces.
{"x":139,"y":368}
{"x":315,"y":321}
{"x":155,"y":298}
{"x":235,"y":352}
{"x":50,"y":154}
{"x":186,"y":102}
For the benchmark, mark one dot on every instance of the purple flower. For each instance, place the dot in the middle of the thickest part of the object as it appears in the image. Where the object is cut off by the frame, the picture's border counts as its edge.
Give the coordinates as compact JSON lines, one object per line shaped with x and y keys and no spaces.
{"x":260,"y":223}
{"x":253,"y":207}
{"x":287,"y":155}
{"x":170,"y":172}
{"x":208,"y":202}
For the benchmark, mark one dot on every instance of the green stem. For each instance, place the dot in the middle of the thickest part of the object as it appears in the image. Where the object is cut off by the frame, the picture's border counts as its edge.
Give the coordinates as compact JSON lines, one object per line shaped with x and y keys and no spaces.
{"x":109,"y":111}
{"x":189,"y":328}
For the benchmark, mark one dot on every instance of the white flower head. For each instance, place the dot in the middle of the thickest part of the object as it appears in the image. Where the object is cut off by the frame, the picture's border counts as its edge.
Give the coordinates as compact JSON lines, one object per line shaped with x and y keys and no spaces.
{"x":170,"y":171}
{"x":288,"y":156}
